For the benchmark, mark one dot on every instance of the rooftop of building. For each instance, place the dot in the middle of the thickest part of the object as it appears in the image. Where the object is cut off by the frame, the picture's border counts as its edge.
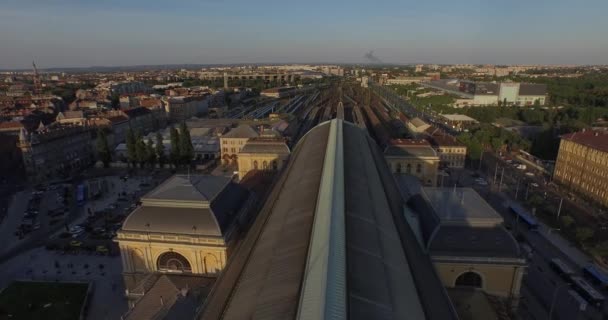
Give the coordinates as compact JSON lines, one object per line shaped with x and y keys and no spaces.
{"x":461,"y":206}
{"x":241,"y":132}
{"x":189,"y":188}
{"x":265,"y":145}
{"x":171,"y":296}
{"x":595,"y":139}
{"x":137,"y":112}
{"x":457,"y":117}
{"x":417,"y":122}
{"x":195,"y":205}
{"x":459,"y":223}
{"x":335,"y":208}
{"x":442,"y":140}
{"x":414,"y":148}
{"x":532,"y":89}
{"x":70,"y":115}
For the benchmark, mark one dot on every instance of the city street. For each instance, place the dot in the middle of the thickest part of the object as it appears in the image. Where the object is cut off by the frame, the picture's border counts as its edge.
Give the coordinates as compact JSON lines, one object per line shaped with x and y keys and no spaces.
{"x":541,"y":281}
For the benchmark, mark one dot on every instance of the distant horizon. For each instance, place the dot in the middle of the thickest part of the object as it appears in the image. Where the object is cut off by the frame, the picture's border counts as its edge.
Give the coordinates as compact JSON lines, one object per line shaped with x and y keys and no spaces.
{"x":237,"y":64}
{"x":82,"y":34}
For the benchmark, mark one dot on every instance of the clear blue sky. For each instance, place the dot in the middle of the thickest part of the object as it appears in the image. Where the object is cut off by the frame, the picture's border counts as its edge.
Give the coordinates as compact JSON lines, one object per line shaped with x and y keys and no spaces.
{"x":62,"y":33}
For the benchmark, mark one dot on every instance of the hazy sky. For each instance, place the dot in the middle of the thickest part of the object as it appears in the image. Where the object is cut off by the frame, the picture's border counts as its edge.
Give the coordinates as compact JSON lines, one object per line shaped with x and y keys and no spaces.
{"x":66,"y":33}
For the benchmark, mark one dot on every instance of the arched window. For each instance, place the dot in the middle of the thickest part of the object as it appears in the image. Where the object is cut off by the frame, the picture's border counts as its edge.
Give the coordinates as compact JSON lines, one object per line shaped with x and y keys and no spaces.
{"x":211,"y":264}
{"x":173,"y":262}
{"x":255,"y":165}
{"x":418,"y":168}
{"x":265,"y":165}
{"x":469,"y":279}
{"x":408,"y":168}
{"x":274,"y":165}
{"x":398,"y":169}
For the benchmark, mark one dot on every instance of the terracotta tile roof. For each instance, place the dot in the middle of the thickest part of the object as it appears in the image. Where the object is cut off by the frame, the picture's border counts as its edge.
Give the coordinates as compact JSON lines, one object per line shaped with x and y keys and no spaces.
{"x":596,"y":139}
{"x":11,"y":125}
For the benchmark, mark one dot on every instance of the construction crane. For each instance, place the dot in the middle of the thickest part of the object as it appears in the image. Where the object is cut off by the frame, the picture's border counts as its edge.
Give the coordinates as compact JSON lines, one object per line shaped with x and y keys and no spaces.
{"x":37,"y":83}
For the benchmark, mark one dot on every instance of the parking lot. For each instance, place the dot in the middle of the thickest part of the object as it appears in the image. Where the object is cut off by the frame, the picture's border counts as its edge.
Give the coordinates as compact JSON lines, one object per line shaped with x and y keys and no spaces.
{"x":55,"y":237}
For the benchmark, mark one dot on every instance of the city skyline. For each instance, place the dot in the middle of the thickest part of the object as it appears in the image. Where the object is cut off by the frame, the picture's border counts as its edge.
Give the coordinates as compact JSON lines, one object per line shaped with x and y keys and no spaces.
{"x":67,"y":33}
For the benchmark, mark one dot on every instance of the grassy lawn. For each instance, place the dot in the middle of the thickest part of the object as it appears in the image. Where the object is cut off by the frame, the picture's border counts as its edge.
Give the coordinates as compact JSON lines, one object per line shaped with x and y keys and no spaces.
{"x":42,"y":300}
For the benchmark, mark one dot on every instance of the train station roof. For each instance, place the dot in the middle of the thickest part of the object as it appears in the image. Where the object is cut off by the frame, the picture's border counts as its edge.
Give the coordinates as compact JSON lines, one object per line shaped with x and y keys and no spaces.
{"x":331,"y":241}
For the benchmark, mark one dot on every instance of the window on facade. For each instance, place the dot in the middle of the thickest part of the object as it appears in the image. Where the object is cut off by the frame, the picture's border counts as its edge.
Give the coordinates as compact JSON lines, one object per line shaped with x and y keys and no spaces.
{"x":255,"y":165}
{"x":398,"y":169}
{"x":408,"y":168}
{"x":265,"y":165}
{"x":418,"y":168}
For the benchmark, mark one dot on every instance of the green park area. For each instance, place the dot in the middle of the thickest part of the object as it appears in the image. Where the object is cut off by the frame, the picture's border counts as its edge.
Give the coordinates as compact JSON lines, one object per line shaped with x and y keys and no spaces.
{"x":42,"y":300}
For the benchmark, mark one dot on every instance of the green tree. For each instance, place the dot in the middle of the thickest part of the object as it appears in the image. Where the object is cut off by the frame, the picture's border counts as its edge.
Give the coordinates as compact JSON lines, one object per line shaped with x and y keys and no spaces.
{"x":175,"y":147}
{"x":583,"y":234}
{"x":567,"y":221}
{"x":140,"y":149}
{"x":131,"y":147}
{"x":160,"y":150}
{"x":185,"y":142}
{"x":115,"y":101}
{"x":535,"y":201}
{"x":151,"y":153}
{"x":103,"y":150}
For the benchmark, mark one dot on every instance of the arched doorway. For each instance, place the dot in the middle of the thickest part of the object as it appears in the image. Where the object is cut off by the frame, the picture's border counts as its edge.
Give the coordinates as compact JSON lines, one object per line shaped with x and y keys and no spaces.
{"x":173,"y":262}
{"x":398,"y":169}
{"x":274,"y":165}
{"x":469,"y":279}
{"x":255,"y":165}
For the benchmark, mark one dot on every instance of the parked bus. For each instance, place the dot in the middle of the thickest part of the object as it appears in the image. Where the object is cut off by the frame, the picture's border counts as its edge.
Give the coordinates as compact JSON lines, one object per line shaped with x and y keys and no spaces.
{"x":524,"y":216}
{"x":587,"y":291}
{"x":561,"y":268}
{"x":595,"y":275}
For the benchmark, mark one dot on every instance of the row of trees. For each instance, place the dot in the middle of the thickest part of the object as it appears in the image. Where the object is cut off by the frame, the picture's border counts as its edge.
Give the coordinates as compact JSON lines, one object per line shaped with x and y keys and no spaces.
{"x":142,"y":153}
{"x":488,"y":137}
{"x":182,"y":150}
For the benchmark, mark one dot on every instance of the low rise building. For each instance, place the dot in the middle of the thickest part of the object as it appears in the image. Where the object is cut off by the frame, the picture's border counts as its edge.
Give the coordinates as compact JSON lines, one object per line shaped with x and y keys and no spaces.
{"x":184,"y":226}
{"x":232,"y":142}
{"x":71,"y":117}
{"x":413,"y":157}
{"x":55,"y":150}
{"x":417,"y":125}
{"x":582,"y":164}
{"x":140,"y":120}
{"x":452,"y":153}
{"x":263,"y":153}
{"x":181,"y":108}
{"x":458,"y":122}
{"x":467,"y":242}
{"x":492,"y":93}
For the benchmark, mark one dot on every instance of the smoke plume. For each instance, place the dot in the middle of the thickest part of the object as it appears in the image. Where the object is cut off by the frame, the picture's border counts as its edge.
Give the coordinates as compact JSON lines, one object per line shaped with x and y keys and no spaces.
{"x":372,"y":58}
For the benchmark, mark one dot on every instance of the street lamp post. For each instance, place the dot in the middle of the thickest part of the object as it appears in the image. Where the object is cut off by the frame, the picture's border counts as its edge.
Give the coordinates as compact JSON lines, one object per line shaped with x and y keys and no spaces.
{"x":559,"y":210}
{"x":555,"y":298}
{"x":501,"y":176}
